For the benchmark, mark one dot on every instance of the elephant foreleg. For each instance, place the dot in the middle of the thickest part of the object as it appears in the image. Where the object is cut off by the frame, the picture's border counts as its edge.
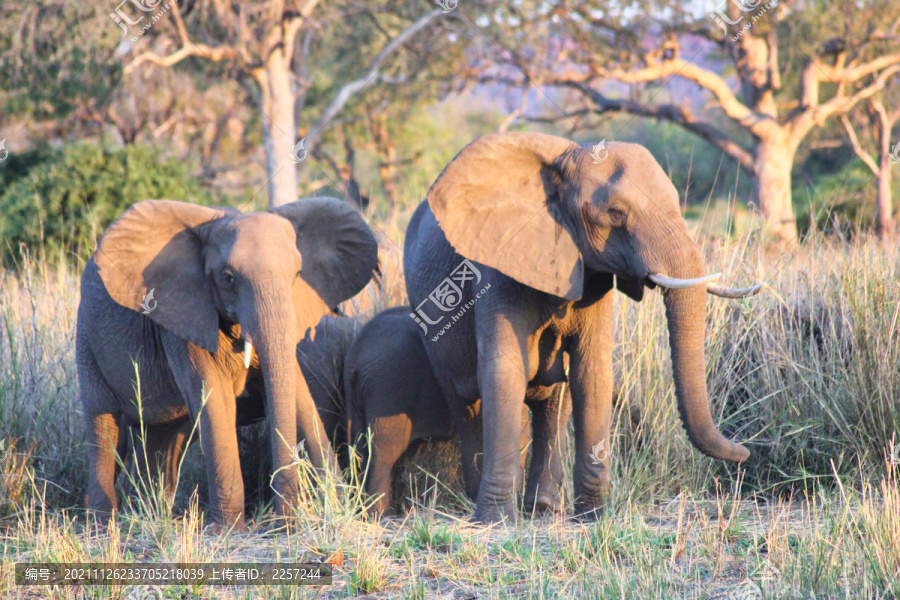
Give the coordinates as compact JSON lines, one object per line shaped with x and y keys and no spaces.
{"x":502,"y":381}
{"x":390,"y":439}
{"x":591,"y":384}
{"x":211,"y":400}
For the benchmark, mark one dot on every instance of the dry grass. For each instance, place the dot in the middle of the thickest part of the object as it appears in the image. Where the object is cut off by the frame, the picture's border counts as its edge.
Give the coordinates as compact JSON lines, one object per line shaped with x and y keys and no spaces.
{"x":808,"y":375}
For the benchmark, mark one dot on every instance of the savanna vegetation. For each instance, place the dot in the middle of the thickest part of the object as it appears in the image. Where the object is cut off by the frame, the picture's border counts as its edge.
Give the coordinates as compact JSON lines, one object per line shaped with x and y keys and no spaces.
{"x":806,"y":374}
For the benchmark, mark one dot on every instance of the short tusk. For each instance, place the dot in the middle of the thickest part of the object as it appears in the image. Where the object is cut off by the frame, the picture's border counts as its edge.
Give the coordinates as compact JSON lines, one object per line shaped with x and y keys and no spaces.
{"x":680,"y":284}
{"x":248,"y":350}
{"x":735,"y":293}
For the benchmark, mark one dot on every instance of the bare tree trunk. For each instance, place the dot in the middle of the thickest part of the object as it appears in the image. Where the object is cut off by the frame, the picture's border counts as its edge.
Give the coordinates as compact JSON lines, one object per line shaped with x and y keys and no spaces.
{"x":885,"y":208}
{"x":387,"y":158}
{"x":772,"y":187}
{"x":885,"y":124}
{"x":279,"y":129}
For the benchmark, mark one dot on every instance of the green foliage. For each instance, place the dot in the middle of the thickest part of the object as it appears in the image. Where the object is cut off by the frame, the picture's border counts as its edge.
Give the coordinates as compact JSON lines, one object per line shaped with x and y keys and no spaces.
{"x":839,"y":202}
{"x":57,"y":57}
{"x":66,"y":200}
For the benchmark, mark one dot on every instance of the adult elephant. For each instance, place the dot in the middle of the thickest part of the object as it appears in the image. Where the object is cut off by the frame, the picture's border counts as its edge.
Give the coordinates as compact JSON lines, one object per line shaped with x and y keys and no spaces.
{"x":208,"y":305}
{"x":510,"y":262}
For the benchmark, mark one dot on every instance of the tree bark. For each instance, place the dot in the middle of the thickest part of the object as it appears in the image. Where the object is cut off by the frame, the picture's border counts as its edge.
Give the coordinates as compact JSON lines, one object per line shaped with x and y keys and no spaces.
{"x":387,"y":163}
{"x":279,"y":127}
{"x":885,"y":209}
{"x":772,"y":187}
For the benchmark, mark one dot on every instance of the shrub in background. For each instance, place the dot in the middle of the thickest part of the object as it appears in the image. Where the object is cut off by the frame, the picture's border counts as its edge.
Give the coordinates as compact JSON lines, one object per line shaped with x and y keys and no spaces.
{"x":69,"y":196}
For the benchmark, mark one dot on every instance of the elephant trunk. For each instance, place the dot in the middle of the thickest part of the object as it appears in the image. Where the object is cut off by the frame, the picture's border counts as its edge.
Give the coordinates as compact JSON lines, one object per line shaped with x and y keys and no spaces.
{"x":686,"y":316}
{"x":272,"y":332}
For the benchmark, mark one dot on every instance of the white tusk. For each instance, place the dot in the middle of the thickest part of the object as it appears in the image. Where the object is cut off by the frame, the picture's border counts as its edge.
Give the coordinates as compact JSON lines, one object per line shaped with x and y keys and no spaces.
{"x":248,"y":350}
{"x":680,"y":284}
{"x":724,"y":292}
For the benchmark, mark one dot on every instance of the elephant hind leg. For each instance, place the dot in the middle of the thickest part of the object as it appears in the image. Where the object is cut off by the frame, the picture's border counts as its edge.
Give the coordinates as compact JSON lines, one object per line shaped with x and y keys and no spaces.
{"x":158,"y":454}
{"x":544,"y":490}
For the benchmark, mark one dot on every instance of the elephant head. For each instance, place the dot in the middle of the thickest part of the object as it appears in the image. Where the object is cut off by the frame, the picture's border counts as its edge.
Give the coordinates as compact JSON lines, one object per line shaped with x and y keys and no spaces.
{"x":549,"y":213}
{"x":273,"y":275}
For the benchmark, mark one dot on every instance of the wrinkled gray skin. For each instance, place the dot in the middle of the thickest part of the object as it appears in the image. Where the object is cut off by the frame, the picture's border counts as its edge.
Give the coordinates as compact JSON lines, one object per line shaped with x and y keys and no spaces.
{"x":548,"y":228}
{"x":218,"y":278}
{"x":390,"y":389}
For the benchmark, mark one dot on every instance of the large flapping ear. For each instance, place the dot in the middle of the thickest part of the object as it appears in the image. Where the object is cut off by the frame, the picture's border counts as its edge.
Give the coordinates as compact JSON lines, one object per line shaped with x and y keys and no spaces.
{"x":151,"y":261}
{"x":339,"y":252}
{"x":495,"y":202}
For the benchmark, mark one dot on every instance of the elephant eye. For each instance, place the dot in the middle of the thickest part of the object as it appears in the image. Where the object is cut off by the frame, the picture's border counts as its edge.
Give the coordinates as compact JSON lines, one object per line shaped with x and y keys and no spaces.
{"x":617,"y":217}
{"x":228,"y":277}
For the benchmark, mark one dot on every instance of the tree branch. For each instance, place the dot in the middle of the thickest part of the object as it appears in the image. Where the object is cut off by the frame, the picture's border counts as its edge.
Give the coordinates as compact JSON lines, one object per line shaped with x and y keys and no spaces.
{"x":349,"y":90}
{"x":675,"y":114}
{"x":213,"y":53}
{"x":841,"y":102}
{"x":706,"y":79}
{"x":857,"y":148}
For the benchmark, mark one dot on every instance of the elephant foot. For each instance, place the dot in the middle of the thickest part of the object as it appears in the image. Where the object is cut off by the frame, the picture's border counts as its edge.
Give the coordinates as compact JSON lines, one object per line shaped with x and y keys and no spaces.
{"x":545,"y":504}
{"x":490,"y":512}
{"x":587,"y":512}
{"x":102,"y":518}
{"x":219,"y":528}
{"x":382,"y":508}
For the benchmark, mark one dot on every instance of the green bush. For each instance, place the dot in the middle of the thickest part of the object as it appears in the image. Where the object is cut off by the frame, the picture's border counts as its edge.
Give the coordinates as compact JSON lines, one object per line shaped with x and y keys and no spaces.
{"x":840,"y":202}
{"x":62,"y":204}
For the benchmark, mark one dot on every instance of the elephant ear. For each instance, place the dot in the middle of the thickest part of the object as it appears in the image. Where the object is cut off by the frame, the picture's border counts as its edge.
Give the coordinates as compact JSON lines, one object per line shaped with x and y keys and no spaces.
{"x":339,"y":252}
{"x":150,"y":260}
{"x":495,"y":203}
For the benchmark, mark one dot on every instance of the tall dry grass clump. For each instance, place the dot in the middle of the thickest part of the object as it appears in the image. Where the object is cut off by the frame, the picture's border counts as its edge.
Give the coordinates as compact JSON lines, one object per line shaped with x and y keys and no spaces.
{"x":40,"y":418}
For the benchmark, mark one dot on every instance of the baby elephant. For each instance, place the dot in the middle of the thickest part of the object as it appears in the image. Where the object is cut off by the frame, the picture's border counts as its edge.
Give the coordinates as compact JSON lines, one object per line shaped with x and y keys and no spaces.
{"x":391,"y":389}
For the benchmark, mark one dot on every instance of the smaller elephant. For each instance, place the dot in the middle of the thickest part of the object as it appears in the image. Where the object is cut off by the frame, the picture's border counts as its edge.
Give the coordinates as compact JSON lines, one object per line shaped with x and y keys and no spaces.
{"x":390,"y":388}
{"x":190,"y":314}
